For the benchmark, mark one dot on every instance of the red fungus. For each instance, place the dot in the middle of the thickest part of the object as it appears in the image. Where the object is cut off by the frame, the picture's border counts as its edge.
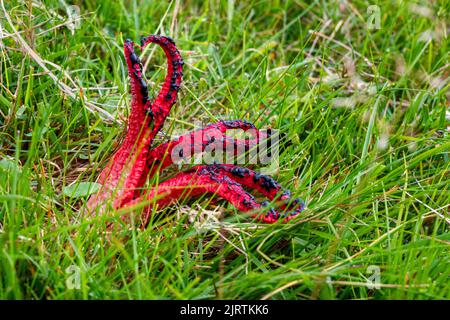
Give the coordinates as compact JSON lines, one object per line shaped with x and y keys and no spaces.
{"x":136,"y":159}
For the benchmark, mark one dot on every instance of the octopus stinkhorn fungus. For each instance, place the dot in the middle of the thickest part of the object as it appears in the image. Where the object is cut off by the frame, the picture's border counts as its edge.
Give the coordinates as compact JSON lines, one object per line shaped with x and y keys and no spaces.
{"x":137,"y":159}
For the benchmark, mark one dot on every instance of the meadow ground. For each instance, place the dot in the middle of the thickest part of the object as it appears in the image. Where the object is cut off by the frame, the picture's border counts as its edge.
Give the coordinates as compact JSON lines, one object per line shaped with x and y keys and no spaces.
{"x":361,"y":92}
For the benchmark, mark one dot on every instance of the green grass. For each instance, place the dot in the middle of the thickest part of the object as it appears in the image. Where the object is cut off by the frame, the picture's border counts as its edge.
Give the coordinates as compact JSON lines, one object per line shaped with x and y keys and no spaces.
{"x":366,"y":111}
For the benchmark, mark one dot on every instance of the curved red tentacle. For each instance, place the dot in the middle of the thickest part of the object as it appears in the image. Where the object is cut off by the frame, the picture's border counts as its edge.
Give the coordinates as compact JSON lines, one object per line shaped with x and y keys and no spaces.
{"x":205,"y":180}
{"x":250,"y":179}
{"x":198,"y":141}
{"x":123,"y":172}
{"x":167,"y":97}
